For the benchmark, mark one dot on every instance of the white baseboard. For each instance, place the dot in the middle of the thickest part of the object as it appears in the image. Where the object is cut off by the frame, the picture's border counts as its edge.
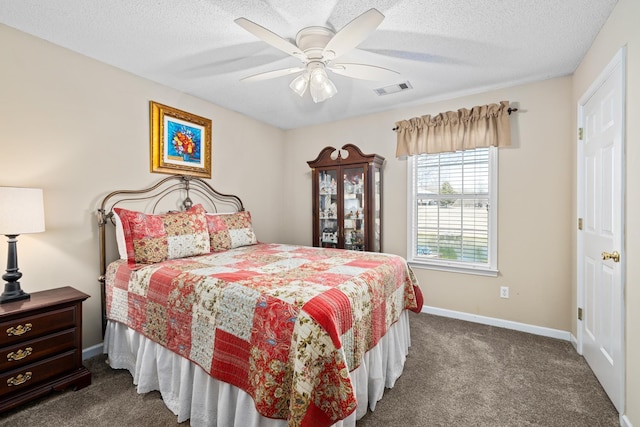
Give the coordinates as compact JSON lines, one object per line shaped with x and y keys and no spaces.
{"x":574,"y":342}
{"x":92,"y":351}
{"x":492,"y":321}
{"x":624,"y":421}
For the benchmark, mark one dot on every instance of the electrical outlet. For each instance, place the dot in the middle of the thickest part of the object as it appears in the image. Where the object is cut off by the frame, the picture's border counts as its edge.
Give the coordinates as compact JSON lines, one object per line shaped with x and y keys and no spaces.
{"x":504,"y":292}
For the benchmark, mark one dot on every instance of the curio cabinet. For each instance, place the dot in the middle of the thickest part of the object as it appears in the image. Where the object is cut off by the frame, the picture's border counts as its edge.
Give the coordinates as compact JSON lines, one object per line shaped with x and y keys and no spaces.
{"x":347,"y":199}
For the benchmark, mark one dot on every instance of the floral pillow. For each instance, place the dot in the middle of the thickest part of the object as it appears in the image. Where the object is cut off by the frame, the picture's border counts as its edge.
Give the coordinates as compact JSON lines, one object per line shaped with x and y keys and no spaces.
{"x":155,"y":238}
{"x":232,"y":230}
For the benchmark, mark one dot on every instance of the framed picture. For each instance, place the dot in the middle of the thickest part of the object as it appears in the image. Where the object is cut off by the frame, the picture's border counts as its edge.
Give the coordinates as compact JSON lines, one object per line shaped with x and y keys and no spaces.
{"x":180,"y":142}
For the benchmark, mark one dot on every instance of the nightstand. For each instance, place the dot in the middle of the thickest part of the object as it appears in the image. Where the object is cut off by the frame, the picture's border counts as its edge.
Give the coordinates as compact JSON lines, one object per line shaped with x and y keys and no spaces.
{"x":41,"y":346}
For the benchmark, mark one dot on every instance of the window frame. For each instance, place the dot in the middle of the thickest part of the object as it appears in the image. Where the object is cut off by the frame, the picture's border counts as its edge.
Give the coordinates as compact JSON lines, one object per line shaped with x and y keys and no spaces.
{"x":490,"y":268}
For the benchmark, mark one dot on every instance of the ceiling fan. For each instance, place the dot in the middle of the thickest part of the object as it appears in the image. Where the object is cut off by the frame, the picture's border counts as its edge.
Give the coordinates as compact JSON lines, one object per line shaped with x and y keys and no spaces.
{"x":318,"y":48}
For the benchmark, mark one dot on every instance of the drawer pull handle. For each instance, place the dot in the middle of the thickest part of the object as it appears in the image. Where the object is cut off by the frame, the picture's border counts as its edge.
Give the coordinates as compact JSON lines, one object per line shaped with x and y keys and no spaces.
{"x":20,"y":354}
{"x":20,"y":379}
{"x":19,"y":330}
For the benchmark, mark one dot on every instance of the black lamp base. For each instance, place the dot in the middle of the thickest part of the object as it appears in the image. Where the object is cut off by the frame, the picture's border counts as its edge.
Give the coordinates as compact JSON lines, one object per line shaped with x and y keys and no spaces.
{"x":12,"y":292}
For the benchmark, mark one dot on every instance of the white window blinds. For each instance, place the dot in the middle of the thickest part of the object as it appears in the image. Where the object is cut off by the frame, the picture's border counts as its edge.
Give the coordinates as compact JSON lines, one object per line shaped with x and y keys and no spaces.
{"x":453,"y":216}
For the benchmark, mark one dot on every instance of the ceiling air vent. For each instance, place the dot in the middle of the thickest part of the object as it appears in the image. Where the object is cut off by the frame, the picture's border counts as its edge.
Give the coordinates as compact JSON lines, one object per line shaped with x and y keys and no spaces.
{"x":393,"y":88}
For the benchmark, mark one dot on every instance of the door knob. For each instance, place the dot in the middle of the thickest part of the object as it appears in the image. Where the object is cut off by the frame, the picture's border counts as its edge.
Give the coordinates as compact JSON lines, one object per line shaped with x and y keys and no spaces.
{"x":615,"y":256}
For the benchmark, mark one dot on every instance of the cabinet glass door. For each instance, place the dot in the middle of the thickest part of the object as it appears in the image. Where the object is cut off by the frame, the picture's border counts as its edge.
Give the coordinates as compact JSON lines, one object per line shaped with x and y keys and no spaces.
{"x":377,"y":233}
{"x":328,"y":206}
{"x":354,"y":207}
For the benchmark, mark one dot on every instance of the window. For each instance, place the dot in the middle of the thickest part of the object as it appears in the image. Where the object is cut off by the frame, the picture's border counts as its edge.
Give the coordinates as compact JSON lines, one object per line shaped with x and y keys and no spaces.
{"x":453,"y":211}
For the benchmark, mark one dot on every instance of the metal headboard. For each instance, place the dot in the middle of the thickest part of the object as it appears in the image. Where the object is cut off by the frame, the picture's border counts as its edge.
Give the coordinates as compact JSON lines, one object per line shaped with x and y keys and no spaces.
{"x":183,"y":185}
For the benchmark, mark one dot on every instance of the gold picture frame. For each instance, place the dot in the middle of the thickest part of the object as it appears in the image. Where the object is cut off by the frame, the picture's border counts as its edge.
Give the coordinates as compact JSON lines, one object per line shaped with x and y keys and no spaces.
{"x":180,"y":142}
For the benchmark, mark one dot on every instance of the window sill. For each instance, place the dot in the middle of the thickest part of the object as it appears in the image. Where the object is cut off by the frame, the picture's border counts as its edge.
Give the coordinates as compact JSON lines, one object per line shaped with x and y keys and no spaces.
{"x":455,"y":268}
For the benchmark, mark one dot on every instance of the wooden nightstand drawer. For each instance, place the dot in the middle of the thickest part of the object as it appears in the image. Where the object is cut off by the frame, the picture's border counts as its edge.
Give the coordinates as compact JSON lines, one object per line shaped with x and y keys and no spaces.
{"x":29,"y":375}
{"x":29,"y":327}
{"x":33,"y":350}
{"x":41,"y":346}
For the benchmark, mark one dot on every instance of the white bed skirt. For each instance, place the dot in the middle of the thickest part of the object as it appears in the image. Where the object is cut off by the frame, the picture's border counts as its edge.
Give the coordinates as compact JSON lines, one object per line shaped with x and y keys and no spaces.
{"x":190,"y":393}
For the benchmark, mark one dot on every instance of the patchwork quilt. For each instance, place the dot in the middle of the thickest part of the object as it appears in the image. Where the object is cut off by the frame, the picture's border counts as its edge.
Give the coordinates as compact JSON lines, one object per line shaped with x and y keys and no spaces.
{"x":284,"y":323}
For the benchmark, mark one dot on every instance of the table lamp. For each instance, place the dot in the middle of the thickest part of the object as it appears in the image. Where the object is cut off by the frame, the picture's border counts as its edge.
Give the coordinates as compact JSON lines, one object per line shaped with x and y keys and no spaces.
{"x":21,"y":212}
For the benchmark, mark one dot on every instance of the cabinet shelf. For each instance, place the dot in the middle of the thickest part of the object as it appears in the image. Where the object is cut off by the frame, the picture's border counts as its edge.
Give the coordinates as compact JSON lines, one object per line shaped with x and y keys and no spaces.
{"x":347,"y":199}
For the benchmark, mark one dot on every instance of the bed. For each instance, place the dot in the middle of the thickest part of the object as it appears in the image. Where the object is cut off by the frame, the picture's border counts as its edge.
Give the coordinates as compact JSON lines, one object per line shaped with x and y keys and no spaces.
{"x":236,"y":332}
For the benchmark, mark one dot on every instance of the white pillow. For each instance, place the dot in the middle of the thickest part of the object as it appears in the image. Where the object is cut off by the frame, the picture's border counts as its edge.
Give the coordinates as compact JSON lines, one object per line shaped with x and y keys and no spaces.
{"x":120,"y":242}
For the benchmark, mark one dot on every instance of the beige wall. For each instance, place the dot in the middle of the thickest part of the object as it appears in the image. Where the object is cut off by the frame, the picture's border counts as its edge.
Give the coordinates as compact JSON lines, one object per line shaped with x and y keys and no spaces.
{"x":79,"y":129}
{"x":534,"y":205}
{"x":622,"y":30}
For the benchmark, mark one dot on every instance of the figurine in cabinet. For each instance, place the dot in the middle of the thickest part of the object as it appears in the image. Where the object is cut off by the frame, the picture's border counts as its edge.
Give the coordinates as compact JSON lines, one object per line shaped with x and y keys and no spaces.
{"x":333,"y":210}
{"x":329,"y":236}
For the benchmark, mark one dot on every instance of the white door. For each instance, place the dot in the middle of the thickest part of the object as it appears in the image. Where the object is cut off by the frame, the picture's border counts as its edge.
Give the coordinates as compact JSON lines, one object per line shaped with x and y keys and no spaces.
{"x":600,"y":245}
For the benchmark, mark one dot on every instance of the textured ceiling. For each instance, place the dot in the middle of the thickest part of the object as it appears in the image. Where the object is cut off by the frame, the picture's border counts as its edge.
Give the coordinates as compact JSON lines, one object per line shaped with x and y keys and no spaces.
{"x":442,"y":47}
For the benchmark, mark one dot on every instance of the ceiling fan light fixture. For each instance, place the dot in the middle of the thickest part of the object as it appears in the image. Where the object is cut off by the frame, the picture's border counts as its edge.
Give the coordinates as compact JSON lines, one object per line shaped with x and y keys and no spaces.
{"x":300,"y":83}
{"x":317,"y":47}
{"x":320,"y":86}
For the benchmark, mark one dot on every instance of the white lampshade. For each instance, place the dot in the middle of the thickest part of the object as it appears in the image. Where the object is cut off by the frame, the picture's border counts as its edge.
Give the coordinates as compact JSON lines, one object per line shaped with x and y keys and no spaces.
{"x":21,"y":211}
{"x":320,"y":86}
{"x":299,"y":84}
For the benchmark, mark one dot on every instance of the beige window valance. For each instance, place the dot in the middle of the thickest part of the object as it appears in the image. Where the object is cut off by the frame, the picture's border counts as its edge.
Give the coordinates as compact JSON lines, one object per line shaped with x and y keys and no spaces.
{"x":482,"y":126}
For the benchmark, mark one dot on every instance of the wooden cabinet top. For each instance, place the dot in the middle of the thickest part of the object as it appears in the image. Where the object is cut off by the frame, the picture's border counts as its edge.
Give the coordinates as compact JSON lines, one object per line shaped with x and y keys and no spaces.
{"x":347,"y":155}
{"x":42,"y":299}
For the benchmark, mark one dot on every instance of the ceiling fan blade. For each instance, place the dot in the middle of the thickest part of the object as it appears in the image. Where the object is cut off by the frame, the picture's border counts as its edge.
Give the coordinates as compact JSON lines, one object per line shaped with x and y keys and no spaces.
{"x":352,"y":34}
{"x":272,"y":74}
{"x":415,"y":56}
{"x":363,"y":72}
{"x":270,"y":37}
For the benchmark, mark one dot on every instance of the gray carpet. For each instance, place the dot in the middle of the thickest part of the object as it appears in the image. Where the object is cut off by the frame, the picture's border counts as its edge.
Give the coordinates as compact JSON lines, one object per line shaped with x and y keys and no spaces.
{"x":457,"y":374}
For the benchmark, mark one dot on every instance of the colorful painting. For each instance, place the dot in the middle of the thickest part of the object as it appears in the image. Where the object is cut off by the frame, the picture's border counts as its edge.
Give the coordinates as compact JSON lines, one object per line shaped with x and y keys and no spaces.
{"x":186,"y":142}
{"x":180,"y":142}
